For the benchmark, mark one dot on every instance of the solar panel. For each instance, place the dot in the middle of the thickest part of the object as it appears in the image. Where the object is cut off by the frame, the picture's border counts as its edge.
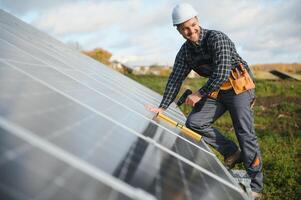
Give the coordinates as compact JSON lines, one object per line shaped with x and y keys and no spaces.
{"x":71,"y":128}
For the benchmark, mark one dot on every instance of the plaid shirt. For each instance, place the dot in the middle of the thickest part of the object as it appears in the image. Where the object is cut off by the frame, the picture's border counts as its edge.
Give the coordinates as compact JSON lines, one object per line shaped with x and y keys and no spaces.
{"x":213,"y":59}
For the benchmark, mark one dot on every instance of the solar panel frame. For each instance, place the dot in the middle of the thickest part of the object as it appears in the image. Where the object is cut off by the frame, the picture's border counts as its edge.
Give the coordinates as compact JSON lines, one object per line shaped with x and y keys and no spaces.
{"x":53,"y":61}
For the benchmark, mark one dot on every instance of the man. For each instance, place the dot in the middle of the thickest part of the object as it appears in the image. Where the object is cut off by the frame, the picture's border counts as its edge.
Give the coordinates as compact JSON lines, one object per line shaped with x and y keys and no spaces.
{"x":212,"y":54}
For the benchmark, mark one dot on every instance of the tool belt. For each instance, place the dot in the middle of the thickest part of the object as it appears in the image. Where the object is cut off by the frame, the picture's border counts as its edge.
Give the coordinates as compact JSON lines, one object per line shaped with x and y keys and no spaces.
{"x":239,"y":80}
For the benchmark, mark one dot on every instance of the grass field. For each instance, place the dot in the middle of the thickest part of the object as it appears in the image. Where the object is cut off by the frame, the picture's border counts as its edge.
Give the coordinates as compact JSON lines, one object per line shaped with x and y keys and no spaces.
{"x":278,"y":127}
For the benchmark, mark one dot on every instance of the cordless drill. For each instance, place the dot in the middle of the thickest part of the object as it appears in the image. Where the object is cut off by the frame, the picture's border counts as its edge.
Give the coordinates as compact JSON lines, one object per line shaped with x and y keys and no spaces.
{"x":183,"y":97}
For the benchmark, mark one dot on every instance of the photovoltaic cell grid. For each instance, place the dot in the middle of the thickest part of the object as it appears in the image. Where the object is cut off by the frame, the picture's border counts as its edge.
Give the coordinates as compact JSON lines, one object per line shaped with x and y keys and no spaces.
{"x":71,"y":128}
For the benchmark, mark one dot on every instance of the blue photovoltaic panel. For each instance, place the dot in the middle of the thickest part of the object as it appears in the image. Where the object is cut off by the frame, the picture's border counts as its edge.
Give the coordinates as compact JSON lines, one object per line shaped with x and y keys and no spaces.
{"x":71,"y":128}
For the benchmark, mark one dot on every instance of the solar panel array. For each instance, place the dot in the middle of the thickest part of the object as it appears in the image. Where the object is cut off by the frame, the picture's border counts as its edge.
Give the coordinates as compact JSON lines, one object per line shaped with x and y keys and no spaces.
{"x":71,"y":128}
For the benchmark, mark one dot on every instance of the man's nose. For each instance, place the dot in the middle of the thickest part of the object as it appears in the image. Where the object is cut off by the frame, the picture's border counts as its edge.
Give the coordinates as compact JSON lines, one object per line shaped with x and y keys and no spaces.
{"x":190,"y":31}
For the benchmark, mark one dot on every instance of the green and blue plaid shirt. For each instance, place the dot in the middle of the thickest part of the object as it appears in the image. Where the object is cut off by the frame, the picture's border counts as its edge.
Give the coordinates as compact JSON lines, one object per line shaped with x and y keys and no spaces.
{"x":214,"y":57}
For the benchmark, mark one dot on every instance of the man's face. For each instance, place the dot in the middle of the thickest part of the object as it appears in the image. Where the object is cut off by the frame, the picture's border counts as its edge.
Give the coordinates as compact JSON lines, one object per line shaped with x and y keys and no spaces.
{"x":190,"y":29}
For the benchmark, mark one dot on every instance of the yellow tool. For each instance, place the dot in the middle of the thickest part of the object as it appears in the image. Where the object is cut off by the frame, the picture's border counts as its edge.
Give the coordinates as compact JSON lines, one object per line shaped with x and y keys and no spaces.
{"x":183,"y":128}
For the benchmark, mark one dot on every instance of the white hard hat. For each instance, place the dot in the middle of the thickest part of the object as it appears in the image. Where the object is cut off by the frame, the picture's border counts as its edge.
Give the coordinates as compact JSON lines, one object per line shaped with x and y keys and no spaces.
{"x":182,"y":12}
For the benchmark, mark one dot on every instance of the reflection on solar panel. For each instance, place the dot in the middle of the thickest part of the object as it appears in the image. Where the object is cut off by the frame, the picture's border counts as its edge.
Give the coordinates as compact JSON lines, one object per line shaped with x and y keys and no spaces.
{"x":71,"y":128}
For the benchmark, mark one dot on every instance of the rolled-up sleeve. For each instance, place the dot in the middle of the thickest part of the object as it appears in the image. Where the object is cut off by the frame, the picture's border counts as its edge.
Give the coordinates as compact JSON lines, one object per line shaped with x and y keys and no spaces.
{"x":175,"y":80}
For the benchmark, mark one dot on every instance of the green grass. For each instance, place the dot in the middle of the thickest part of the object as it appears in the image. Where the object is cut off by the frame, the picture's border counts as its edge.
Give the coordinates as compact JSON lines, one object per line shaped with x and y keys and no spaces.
{"x":276,"y":88}
{"x":278,"y":128}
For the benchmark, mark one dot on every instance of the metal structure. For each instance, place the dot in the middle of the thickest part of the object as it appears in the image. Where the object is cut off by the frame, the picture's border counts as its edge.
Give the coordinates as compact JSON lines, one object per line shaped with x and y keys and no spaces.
{"x":71,"y":128}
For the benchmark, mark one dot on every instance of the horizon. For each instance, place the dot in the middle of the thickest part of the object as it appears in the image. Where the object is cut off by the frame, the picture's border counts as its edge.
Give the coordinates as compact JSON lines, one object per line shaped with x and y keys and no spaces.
{"x":164,"y":65}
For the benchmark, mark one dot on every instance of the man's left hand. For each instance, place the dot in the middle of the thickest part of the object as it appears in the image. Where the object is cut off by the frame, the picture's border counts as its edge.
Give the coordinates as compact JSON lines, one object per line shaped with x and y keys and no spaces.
{"x":193,"y":98}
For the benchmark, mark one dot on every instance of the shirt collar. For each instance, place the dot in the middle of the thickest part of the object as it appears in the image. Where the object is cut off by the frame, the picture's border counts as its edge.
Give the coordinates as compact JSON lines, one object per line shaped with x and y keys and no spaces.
{"x":201,"y":41}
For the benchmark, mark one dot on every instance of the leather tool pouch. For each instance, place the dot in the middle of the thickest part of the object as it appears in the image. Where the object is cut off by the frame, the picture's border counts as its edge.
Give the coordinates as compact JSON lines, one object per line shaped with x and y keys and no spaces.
{"x":241,"y":80}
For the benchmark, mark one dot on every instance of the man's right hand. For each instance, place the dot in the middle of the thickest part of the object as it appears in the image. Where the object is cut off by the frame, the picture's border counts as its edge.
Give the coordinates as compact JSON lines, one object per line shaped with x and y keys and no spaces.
{"x":154,"y":109}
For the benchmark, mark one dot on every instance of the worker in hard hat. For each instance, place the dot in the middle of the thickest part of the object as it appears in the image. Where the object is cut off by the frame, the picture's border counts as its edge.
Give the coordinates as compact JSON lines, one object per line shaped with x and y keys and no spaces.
{"x":230,"y":87}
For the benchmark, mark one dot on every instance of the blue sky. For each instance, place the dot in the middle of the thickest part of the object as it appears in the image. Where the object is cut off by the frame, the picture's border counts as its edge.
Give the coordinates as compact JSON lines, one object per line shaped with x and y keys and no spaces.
{"x":140,"y":32}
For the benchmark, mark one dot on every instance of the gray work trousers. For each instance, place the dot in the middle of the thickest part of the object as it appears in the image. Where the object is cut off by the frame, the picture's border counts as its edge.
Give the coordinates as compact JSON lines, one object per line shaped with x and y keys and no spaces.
{"x":207,"y":110}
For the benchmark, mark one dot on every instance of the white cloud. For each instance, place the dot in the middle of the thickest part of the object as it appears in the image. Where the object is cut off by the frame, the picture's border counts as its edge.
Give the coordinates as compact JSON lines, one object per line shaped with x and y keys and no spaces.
{"x":81,"y":17}
{"x":263,"y":30}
